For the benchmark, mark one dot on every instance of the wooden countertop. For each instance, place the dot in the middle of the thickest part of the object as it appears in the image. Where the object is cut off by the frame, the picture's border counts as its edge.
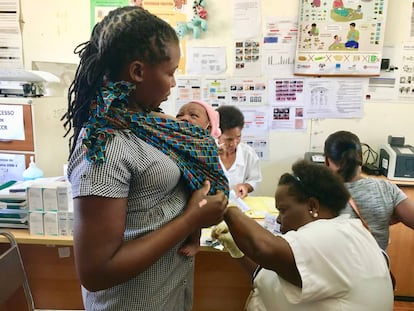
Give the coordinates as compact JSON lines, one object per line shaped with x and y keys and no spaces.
{"x":23,"y":236}
{"x":260,"y":205}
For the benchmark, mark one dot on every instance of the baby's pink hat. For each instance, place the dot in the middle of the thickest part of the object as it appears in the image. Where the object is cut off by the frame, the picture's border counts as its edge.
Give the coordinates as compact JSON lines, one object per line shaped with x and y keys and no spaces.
{"x":213,"y":117}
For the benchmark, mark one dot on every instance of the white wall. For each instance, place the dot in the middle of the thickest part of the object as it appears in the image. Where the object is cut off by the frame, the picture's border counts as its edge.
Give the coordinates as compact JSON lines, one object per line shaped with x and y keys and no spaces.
{"x":52,"y":28}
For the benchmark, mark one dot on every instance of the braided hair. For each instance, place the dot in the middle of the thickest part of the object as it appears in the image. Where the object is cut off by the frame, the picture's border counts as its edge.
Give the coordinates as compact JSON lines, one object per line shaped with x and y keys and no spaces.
{"x":344,"y":149}
{"x":126,"y":34}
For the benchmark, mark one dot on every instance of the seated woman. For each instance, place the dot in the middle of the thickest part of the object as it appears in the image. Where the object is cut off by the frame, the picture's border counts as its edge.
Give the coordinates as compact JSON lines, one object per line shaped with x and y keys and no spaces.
{"x":379,"y":201}
{"x":238,"y":160}
{"x":322,"y":261}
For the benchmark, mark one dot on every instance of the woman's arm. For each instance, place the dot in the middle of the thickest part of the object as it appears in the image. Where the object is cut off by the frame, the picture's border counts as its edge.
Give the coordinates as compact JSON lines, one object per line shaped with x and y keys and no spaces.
{"x":248,"y":265}
{"x":404,"y":212}
{"x":104,"y":259}
{"x":270,"y":251}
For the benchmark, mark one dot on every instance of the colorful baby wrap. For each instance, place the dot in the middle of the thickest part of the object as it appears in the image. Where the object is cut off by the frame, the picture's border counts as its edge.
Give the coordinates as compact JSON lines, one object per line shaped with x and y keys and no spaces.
{"x":189,"y":146}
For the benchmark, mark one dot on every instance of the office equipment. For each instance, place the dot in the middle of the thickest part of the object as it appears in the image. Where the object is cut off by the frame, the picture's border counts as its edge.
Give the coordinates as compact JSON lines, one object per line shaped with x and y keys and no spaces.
{"x":26,"y":83}
{"x":315,"y":157}
{"x":397,"y":141}
{"x":13,"y":273}
{"x":397,"y":162}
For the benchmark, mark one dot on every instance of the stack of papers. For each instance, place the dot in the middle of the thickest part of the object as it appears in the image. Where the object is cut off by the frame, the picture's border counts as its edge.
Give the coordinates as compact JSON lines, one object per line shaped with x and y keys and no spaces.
{"x":14,"y":211}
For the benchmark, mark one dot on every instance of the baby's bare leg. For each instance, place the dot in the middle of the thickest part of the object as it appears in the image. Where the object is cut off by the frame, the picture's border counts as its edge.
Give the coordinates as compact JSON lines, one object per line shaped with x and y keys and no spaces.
{"x":192,"y":244}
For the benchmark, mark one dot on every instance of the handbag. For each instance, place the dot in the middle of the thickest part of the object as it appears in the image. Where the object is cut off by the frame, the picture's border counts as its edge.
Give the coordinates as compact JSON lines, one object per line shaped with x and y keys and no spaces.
{"x":364,"y":223}
{"x":254,"y":301}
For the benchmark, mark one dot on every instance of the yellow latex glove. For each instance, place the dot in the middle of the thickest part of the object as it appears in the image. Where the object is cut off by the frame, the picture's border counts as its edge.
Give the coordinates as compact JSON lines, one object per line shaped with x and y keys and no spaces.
{"x":221,"y":232}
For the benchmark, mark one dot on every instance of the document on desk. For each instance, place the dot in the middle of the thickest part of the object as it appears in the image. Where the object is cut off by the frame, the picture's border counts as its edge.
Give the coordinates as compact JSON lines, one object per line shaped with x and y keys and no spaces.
{"x":237,"y":201}
{"x":253,"y":206}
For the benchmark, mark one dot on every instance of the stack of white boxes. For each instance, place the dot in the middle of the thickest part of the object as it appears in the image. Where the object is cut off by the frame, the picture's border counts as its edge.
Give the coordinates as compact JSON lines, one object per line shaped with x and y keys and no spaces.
{"x":50,"y":208}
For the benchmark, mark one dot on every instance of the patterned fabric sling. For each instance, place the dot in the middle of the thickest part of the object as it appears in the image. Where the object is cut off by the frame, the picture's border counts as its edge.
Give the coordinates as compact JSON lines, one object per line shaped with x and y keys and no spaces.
{"x":189,"y":146}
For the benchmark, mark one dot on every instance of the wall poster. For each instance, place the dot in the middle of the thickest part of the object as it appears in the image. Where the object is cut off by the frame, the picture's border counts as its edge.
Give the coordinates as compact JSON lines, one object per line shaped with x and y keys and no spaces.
{"x":340,"y":37}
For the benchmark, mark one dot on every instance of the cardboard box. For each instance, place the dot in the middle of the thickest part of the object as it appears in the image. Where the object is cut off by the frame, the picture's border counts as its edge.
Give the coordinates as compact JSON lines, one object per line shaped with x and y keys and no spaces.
{"x":65,"y":223}
{"x":35,"y":197}
{"x":50,"y":200}
{"x":36,"y":223}
{"x":64,"y":197}
{"x":50,"y":223}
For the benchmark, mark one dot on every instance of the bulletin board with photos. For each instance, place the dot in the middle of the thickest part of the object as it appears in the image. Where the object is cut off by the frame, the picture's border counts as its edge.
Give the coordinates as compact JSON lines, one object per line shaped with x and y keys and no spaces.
{"x":16,"y":139}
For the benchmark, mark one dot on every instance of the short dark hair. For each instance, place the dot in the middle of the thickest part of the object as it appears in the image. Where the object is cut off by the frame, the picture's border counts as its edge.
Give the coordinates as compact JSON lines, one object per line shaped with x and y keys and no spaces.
{"x":230,"y":117}
{"x":314,"y":180}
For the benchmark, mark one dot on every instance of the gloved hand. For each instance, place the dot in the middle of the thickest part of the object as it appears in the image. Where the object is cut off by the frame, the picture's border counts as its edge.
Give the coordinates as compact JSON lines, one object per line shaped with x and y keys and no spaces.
{"x":221,"y":232}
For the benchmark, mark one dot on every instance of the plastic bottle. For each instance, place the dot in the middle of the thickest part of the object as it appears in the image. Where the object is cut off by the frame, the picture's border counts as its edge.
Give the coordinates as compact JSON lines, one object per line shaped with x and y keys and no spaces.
{"x":32,"y":172}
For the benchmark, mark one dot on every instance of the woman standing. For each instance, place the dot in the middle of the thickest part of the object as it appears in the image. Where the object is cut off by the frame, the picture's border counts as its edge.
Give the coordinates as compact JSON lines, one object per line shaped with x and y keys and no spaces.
{"x":133,"y":204}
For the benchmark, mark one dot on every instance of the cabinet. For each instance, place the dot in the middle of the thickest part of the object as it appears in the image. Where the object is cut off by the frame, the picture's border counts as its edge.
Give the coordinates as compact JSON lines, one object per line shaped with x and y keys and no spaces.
{"x":401,"y":252}
{"x":219,"y":283}
{"x":43,"y":133}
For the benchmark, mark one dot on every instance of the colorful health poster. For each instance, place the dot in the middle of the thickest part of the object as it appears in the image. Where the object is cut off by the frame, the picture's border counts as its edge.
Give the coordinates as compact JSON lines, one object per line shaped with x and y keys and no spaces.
{"x":340,"y":37}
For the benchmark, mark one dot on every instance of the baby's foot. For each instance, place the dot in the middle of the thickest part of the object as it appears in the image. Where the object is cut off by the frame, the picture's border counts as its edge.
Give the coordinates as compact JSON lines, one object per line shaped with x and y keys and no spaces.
{"x":190,"y":249}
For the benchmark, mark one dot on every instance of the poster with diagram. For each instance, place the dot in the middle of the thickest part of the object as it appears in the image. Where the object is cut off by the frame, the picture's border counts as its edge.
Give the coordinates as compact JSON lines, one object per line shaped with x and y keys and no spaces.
{"x":340,"y":37}
{"x":406,"y":78}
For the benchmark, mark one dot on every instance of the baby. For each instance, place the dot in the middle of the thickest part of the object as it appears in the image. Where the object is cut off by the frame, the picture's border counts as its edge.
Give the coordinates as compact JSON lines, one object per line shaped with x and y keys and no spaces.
{"x":202,"y":114}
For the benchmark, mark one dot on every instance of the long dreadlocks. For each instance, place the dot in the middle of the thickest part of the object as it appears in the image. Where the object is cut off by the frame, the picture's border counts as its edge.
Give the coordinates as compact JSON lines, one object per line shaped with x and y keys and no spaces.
{"x":125,"y":34}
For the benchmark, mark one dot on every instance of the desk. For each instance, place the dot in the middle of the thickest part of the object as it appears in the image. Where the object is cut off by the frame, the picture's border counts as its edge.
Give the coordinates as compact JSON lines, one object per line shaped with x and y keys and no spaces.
{"x":401,"y":251}
{"x":220,"y":284}
{"x":401,"y":248}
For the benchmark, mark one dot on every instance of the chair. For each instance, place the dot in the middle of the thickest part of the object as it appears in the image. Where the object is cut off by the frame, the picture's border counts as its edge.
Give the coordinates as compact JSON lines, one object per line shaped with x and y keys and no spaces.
{"x":12,"y":273}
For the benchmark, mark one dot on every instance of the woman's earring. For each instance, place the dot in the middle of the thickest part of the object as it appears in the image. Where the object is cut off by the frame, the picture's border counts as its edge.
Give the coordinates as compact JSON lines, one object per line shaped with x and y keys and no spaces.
{"x":314,"y":214}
